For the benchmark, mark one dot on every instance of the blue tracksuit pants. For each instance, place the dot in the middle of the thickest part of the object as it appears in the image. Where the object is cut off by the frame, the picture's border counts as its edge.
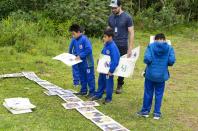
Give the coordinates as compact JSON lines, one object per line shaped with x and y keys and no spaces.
{"x":150,"y":88}
{"x":76,"y":75}
{"x":87,"y":78}
{"x":105,"y":82}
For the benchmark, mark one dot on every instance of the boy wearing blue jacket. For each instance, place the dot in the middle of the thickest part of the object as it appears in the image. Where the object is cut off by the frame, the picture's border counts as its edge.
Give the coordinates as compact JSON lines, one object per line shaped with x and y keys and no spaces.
{"x":83,"y":50}
{"x":105,"y":81}
{"x":75,"y":70}
{"x":158,"y":56}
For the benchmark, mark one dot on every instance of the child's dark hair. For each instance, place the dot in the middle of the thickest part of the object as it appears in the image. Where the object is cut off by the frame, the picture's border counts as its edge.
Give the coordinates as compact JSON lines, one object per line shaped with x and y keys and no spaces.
{"x":75,"y":28}
{"x":160,"y":36}
{"x":109,"y":32}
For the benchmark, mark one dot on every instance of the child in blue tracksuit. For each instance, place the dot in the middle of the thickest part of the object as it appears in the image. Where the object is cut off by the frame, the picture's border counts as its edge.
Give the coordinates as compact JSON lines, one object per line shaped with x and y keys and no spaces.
{"x":158,"y":56}
{"x":105,"y":81}
{"x":75,"y":70}
{"x":83,"y":50}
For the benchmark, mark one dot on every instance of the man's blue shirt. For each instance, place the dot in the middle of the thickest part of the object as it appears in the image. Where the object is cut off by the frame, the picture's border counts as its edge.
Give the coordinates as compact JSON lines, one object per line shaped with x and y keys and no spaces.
{"x":121,"y":22}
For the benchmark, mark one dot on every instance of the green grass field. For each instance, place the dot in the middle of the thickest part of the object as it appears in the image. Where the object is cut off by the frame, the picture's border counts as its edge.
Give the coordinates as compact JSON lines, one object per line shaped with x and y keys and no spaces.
{"x":179,"y":108}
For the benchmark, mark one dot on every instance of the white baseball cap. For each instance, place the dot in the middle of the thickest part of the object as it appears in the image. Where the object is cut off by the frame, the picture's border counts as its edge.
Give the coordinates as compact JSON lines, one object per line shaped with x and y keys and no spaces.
{"x":115,"y":3}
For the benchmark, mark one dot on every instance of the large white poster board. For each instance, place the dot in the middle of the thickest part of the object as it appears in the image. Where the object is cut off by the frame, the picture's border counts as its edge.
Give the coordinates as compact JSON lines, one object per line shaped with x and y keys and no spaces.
{"x":126,"y":65}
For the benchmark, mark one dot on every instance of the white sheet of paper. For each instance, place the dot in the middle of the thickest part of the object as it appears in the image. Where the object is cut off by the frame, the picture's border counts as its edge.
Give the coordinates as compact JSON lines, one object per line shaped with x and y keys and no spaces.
{"x":152,"y":39}
{"x":68,"y":59}
{"x":72,"y":105}
{"x":125,"y":67}
{"x":12,"y":75}
{"x":17,"y":111}
{"x":135,"y":54}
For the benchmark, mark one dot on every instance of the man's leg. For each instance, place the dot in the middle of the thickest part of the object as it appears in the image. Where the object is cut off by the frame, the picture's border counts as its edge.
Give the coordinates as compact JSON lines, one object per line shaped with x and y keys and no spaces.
{"x":120,"y":80}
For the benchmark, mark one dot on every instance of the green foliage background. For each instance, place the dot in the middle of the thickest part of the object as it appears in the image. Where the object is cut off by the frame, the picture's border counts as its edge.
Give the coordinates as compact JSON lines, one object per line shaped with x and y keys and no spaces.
{"x":93,"y":14}
{"x":34,"y":31}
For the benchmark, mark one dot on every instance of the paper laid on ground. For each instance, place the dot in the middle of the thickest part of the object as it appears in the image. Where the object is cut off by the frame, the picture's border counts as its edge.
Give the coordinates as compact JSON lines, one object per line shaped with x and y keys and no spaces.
{"x":17,"y":111}
{"x":82,"y":110}
{"x":113,"y":126}
{"x":102,"y":120}
{"x":68,"y":59}
{"x":152,"y":39}
{"x":50,"y":93}
{"x":31,"y":76}
{"x":92,"y":114}
{"x":125,"y":67}
{"x":71,"y":105}
{"x":11,"y":75}
{"x":72,"y":99}
{"x":89,"y":103}
{"x":86,"y":108}
{"x":18,"y":105}
{"x":65,"y":97}
{"x":74,"y":105}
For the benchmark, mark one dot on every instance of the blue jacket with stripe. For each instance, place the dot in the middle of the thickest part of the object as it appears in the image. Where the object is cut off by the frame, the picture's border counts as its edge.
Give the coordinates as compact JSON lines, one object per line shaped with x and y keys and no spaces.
{"x":111,"y":50}
{"x":82,"y":47}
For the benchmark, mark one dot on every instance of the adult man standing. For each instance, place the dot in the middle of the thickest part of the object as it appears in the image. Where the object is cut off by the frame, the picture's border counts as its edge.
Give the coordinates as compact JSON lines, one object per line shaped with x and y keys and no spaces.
{"x":123,"y":27}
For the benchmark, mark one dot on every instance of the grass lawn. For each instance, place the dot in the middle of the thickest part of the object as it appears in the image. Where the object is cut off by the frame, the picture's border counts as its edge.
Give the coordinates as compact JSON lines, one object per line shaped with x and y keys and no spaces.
{"x":180,"y":112}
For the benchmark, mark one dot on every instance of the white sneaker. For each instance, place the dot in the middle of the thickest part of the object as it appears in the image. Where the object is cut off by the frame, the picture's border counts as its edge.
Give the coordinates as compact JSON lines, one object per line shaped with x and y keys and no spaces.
{"x":156,"y":117}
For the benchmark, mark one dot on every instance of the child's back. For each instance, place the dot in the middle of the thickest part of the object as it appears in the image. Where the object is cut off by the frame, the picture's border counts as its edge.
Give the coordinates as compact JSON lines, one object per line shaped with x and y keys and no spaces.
{"x":158,"y":56}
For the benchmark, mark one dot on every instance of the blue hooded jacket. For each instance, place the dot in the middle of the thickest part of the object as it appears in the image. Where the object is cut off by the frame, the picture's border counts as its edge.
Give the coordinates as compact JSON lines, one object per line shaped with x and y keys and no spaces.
{"x":111,"y":50}
{"x":158,"y":57}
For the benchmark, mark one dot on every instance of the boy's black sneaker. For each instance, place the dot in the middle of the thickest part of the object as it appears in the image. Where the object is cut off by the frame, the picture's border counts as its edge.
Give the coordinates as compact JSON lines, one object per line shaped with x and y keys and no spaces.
{"x":89,"y":96}
{"x":94,"y":98}
{"x":119,"y":89}
{"x":143,"y":114}
{"x":107,"y":101}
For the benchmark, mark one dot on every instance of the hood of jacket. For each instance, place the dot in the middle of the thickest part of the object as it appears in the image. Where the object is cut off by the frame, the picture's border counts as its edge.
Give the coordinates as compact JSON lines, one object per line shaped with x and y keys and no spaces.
{"x":160,"y":48}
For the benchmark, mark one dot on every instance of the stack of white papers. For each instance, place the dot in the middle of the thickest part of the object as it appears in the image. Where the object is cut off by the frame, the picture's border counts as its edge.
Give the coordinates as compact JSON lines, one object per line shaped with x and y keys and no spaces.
{"x":68,"y":59}
{"x":18,"y":105}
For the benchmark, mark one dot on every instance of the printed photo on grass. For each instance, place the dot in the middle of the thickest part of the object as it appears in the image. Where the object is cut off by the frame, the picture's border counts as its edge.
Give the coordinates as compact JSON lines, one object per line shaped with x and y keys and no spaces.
{"x":72,"y":99}
{"x":93,"y":114}
{"x":66,"y":96}
{"x":89,"y":103}
{"x":102,"y":120}
{"x":82,"y":110}
{"x":111,"y":126}
{"x":123,"y":129}
{"x":31,"y":76}
{"x":72,"y":105}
